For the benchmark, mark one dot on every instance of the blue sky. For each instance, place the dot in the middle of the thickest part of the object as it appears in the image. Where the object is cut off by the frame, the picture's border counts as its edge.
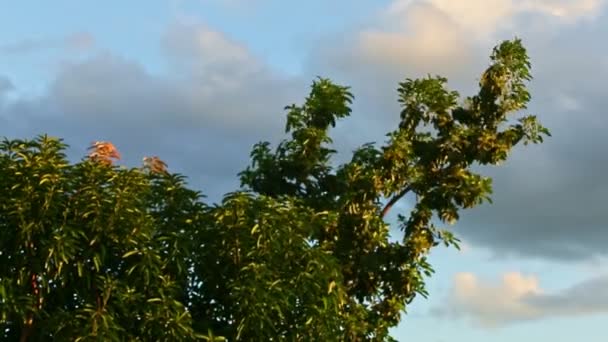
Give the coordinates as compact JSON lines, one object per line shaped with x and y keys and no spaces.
{"x":199,"y":81}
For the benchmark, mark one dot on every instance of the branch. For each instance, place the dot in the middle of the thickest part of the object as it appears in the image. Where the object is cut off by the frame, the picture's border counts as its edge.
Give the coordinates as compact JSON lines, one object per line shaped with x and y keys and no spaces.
{"x":394,"y":200}
{"x":27,"y":329}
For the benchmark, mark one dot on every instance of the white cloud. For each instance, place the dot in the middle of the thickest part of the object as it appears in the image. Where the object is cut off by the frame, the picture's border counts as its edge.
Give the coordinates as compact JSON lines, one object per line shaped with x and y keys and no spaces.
{"x":427,"y":39}
{"x":473,"y":15}
{"x":568,"y":103}
{"x":447,"y":35}
{"x":566,"y":10}
{"x":485,"y":17}
{"x":201,"y":52}
{"x":493,"y":304}
{"x":517,"y":297}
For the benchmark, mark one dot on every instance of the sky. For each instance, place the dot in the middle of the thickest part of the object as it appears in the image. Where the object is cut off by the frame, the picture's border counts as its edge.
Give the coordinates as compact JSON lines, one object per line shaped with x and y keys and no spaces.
{"x":198,"y":82}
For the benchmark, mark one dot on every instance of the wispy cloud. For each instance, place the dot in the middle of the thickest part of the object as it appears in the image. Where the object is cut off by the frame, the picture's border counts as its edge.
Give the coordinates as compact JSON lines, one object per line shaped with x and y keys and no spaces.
{"x":74,"y":42}
{"x":5,"y":85}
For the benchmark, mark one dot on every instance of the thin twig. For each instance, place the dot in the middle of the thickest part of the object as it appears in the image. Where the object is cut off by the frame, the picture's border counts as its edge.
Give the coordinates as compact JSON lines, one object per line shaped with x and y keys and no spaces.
{"x":394,"y":200}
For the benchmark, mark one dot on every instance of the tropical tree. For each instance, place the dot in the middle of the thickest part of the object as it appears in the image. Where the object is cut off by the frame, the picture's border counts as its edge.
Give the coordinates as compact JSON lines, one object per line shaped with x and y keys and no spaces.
{"x":94,"y":251}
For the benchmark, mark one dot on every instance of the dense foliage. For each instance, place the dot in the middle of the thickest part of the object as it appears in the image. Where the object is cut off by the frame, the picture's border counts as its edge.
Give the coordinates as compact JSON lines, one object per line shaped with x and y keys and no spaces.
{"x":94,"y":251}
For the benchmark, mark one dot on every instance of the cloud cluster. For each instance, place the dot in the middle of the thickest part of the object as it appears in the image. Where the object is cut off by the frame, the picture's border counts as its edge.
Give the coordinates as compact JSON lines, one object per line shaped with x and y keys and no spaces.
{"x":549,"y":199}
{"x":201,"y":117}
{"x":488,"y":16}
{"x":216,"y":99}
{"x":517,"y":297}
{"x":433,"y":33}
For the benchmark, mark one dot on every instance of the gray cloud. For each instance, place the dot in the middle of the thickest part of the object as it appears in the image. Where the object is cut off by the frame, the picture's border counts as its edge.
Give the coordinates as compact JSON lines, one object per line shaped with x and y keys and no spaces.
{"x":549,"y":199}
{"x":201,"y":121}
{"x":6,"y":86}
{"x":218,"y":99}
{"x":587,"y":297}
{"x":517,"y":298}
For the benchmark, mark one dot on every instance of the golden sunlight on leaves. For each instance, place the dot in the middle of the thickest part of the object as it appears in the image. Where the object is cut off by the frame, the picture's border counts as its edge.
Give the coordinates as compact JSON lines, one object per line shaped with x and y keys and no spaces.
{"x":103,"y":152}
{"x":155,"y":165}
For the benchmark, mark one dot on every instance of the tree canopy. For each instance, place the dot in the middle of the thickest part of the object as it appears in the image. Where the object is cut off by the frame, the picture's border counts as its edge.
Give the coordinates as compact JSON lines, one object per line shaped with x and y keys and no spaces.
{"x":300,"y":252}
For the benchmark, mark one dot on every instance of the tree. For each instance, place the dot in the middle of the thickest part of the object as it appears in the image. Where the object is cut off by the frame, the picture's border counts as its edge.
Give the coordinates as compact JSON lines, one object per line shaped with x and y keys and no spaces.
{"x":83,"y":255}
{"x":301,"y":251}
